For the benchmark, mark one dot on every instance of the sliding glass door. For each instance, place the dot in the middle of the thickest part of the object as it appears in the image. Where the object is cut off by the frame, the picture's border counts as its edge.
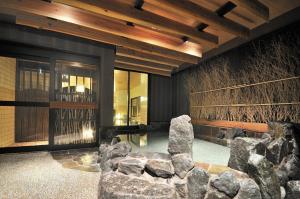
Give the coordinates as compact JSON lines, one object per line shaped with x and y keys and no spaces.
{"x":74,"y":107}
{"x":130,"y":98}
{"x":24,"y":101}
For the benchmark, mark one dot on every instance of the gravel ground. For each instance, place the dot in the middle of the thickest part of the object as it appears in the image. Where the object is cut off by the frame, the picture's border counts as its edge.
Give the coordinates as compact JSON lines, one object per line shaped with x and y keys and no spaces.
{"x":37,"y":175}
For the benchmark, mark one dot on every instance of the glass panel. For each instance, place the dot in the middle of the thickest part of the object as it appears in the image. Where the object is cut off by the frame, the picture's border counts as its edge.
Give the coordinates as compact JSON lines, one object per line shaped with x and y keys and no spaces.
{"x":33,"y":76}
{"x":74,"y":124}
{"x":27,"y":80}
{"x":33,"y":80}
{"x":120,"y":97}
{"x":47,"y":81}
{"x":23,"y":126}
{"x":41,"y":80}
{"x":7,"y":78}
{"x":23,"y":80}
{"x":138,"y":98}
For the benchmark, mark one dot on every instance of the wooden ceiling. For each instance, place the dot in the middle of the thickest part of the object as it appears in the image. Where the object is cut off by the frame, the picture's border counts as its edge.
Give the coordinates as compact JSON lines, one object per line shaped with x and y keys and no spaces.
{"x":154,"y":36}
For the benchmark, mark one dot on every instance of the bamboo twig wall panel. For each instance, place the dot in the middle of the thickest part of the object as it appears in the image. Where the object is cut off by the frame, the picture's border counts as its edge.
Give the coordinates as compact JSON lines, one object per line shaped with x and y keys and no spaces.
{"x":264,"y":88}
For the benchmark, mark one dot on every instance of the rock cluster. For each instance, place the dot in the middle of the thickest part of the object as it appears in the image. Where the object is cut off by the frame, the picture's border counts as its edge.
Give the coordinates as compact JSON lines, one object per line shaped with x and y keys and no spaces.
{"x":174,"y":175}
{"x":272,"y":161}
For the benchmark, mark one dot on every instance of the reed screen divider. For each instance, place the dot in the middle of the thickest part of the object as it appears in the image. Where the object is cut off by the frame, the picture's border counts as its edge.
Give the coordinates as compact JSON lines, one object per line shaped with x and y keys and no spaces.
{"x":263,"y":87}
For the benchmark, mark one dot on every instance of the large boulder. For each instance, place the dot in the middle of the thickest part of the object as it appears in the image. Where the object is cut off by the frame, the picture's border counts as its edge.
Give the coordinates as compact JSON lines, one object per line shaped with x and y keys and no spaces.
{"x":240,"y":151}
{"x":131,"y":166}
{"x":197,"y":180}
{"x":182,"y":163}
{"x":290,"y":168}
{"x":234,"y":133}
{"x":248,"y":189}
{"x":120,"y":149}
{"x":115,"y":185}
{"x":160,"y":168}
{"x":261,"y":170}
{"x":213,"y":193}
{"x":108,"y":152}
{"x":181,"y":135}
{"x":293,"y":190}
{"x":181,"y":187}
{"x":282,"y":176}
{"x":150,"y":155}
{"x":227,"y":183}
{"x":277,"y":150}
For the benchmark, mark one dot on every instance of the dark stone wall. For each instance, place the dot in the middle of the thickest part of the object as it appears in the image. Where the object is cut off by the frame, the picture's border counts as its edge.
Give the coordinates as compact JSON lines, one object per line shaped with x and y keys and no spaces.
{"x":160,"y":101}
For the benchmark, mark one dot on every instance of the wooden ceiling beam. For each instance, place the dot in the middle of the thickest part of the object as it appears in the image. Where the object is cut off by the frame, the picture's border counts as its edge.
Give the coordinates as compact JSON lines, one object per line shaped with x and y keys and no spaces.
{"x":144,"y":18}
{"x":136,"y":62}
{"x":143,"y":69}
{"x":99,"y":36}
{"x":255,"y":7}
{"x":202,"y":14}
{"x":126,"y":52}
{"x":77,"y":16}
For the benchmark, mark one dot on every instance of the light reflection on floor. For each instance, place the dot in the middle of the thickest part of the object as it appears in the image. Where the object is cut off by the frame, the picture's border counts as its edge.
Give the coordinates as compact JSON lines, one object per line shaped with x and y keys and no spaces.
{"x":80,"y":159}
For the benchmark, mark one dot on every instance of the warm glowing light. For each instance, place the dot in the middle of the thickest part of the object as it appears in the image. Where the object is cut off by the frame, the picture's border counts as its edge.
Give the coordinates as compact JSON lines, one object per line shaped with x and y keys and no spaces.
{"x":143,"y":99}
{"x":87,"y":133}
{"x":80,"y":88}
{"x":118,"y":116}
{"x":118,"y":119}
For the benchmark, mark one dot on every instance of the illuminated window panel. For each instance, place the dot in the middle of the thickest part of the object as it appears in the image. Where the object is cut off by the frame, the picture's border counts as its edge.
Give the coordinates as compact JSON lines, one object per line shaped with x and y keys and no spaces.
{"x":130,"y":98}
{"x":120,"y":98}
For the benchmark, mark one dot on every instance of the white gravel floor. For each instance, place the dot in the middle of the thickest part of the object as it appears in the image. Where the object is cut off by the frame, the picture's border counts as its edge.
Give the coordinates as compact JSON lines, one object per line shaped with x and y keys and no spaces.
{"x":37,"y":176}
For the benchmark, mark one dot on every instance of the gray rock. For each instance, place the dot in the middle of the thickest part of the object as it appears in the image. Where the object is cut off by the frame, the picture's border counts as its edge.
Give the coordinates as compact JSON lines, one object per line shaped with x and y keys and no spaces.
{"x":296,"y":138}
{"x":131,"y":166}
{"x":181,"y":135}
{"x":197,"y":180}
{"x":115,"y":140}
{"x":115,"y":162}
{"x":282,"y":176}
{"x":233,"y":133}
{"x":267,"y":138}
{"x":182,"y":163}
{"x":240,"y":150}
{"x":181,"y":187}
{"x":161,"y":168}
{"x":249,"y":189}
{"x":106,"y":166}
{"x":108,"y":152}
{"x":277,"y":150}
{"x":115,"y":185}
{"x":103,"y":148}
{"x":261,"y":170}
{"x":227,"y":183}
{"x":213,"y":193}
{"x":120,"y":149}
{"x":293,"y":190}
{"x":150,"y":155}
{"x":282,"y":192}
{"x":291,"y":166}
